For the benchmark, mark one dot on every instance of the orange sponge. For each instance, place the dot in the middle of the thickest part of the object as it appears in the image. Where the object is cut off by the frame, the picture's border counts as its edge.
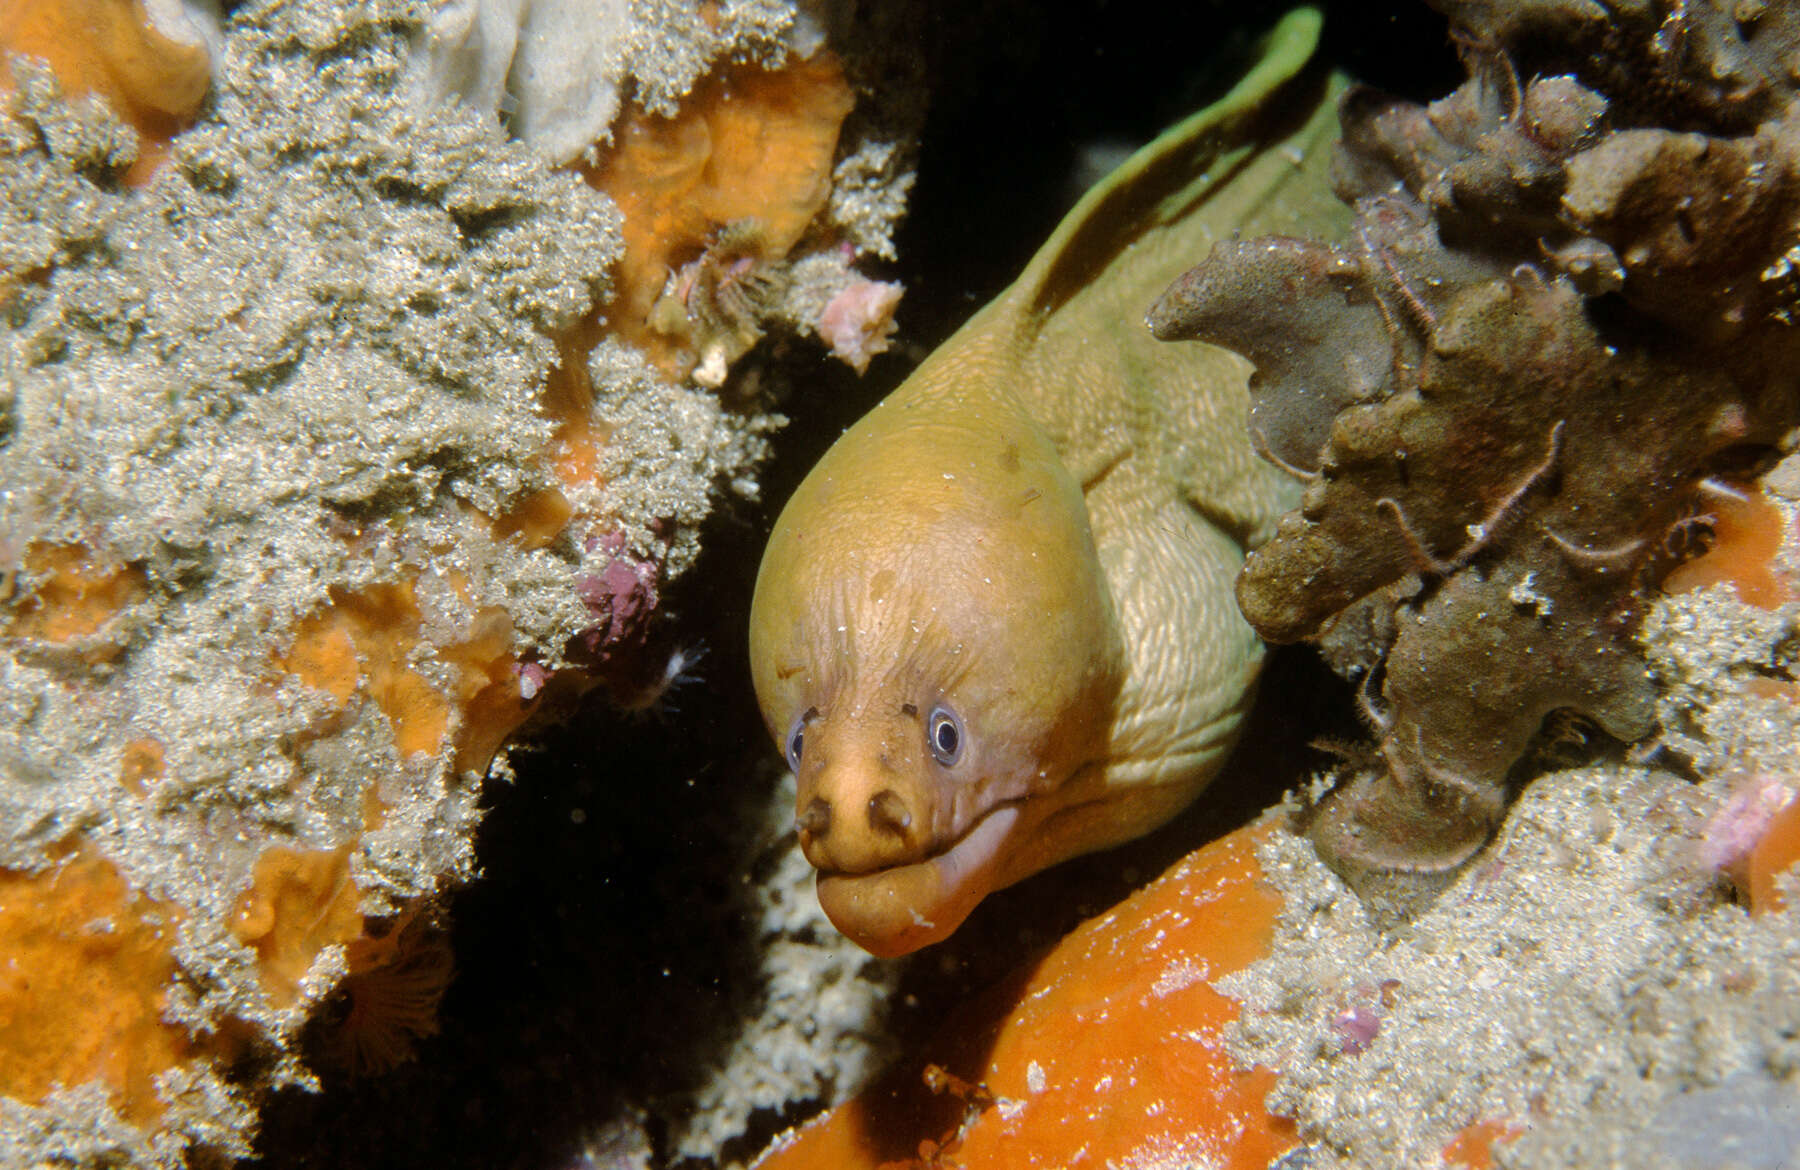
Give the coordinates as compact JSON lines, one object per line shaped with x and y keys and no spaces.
{"x":300,"y":901}
{"x":83,"y":983}
{"x":113,"y":49}
{"x":1747,"y":533}
{"x":365,"y":639}
{"x":1474,"y":1146}
{"x":1773,"y":854}
{"x":751,"y":148}
{"x":68,"y":593}
{"x":1110,"y":1051}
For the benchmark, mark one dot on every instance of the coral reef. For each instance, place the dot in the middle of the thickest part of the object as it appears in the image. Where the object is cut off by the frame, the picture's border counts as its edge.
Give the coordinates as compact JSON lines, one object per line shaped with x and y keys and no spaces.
{"x":1558,"y":335}
{"x":726,"y":157}
{"x":317,"y":481}
{"x":1615,"y":960}
{"x":714,"y":198}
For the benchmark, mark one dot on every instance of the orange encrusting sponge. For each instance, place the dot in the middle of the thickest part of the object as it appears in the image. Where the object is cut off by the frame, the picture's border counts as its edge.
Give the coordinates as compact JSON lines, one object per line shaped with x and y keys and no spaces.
{"x":1109,"y":1052}
{"x":72,"y":593}
{"x":113,"y":49}
{"x":748,"y":144}
{"x":366,"y":639}
{"x":300,"y":901}
{"x":1747,"y":533}
{"x":1774,"y":852}
{"x":85,"y":968}
{"x":1473,"y":1148}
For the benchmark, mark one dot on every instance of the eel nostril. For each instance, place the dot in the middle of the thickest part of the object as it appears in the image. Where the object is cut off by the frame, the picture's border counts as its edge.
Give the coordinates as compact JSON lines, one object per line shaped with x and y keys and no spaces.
{"x":816,"y":819}
{"x":888,"y":812}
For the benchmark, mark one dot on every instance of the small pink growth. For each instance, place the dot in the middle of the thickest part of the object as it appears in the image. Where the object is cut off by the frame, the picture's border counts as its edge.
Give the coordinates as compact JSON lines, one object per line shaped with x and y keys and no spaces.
{"x":1358,"y":1024}
{"x":1733,"y":831}
{"x":859,"y":320}
{"x":532,"y":677}
{"x":612,"y":542}
{"x":1356,"y":1027}
{"x":619,"y":597}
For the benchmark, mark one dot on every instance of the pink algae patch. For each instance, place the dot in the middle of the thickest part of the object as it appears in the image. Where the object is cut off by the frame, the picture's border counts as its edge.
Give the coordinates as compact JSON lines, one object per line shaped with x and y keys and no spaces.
{"x":859,"y":320}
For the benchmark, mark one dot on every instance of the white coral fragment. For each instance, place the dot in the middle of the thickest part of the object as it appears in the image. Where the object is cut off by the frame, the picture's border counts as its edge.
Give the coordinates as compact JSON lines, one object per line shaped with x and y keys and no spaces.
{"x":553,"y":70}
{"x":552,"y":66}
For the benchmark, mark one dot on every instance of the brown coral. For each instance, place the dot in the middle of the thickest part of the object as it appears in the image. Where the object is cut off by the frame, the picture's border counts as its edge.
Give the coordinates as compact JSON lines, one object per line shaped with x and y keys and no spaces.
{"x":1556,"y":335}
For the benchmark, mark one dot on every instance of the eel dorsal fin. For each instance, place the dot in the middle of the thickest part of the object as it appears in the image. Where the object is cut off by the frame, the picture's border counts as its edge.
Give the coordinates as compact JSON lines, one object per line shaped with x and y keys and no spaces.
{"x":1163,"y":181}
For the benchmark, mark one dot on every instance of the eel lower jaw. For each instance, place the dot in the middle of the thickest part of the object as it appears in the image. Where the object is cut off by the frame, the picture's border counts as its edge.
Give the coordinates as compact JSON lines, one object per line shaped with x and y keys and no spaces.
{"x":896,"y":910}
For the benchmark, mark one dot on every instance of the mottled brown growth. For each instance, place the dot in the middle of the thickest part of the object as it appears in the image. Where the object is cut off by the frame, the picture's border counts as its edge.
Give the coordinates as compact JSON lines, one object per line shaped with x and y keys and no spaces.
{"x":1565,"y":306}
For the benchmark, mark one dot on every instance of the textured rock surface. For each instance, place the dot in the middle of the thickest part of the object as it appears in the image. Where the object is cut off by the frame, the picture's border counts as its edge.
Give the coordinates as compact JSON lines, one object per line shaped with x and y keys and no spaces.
{"x":1603,"y":969}
{"x":296,"y":528}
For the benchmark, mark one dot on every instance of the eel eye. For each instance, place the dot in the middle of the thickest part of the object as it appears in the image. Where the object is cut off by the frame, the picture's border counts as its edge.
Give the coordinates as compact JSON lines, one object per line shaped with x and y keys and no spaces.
{"x":944,"y":732}
{"x":795,"y":743}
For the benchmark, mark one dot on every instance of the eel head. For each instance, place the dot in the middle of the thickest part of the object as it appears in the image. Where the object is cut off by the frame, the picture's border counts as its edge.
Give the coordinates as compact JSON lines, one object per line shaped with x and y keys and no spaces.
{"x":935,"y":651}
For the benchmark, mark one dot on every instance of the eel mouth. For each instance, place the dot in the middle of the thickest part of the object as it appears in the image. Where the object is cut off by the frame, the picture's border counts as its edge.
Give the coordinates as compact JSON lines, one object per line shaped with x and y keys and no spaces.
{"x":899,"y":909}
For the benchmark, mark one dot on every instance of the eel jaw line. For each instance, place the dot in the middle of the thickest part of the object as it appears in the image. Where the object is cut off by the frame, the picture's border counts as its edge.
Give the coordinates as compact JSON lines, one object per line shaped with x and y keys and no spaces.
{"x":896,"y":910}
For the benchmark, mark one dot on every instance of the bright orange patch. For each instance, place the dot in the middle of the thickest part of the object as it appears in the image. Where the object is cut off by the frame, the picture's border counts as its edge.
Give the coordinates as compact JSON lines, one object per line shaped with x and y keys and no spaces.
{"x":300,"y":901}
{"x":85,"y":967}
{"x":366,"y":638}
{"x":1746,"y":537}
{"x":139,"y":764}
{"x":69,"y":593}
{"x":580,"y":438}
{"x":111,"y":49}
{"x":1474,"y":1146}
{"x":1109,"y":1052}
{"x":488,"y":689}
{"x":323,"y":657}
{"x":748,"y":144}
{"x":1773,"y":854}
{"x":536,"y":520}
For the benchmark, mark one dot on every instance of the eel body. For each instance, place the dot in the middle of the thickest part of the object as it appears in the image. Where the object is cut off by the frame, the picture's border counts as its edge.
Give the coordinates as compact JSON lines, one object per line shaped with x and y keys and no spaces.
{"x":994,"y":628}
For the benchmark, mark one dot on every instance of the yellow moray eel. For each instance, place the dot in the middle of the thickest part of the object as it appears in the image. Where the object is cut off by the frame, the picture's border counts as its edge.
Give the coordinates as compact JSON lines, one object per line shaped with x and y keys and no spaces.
{"x":994,"y":628}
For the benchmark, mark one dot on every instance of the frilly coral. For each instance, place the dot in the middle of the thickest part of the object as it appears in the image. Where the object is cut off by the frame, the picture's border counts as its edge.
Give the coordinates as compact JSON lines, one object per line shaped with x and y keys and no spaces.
{"x":858,"y":321}
{"x":1558,"y":331}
